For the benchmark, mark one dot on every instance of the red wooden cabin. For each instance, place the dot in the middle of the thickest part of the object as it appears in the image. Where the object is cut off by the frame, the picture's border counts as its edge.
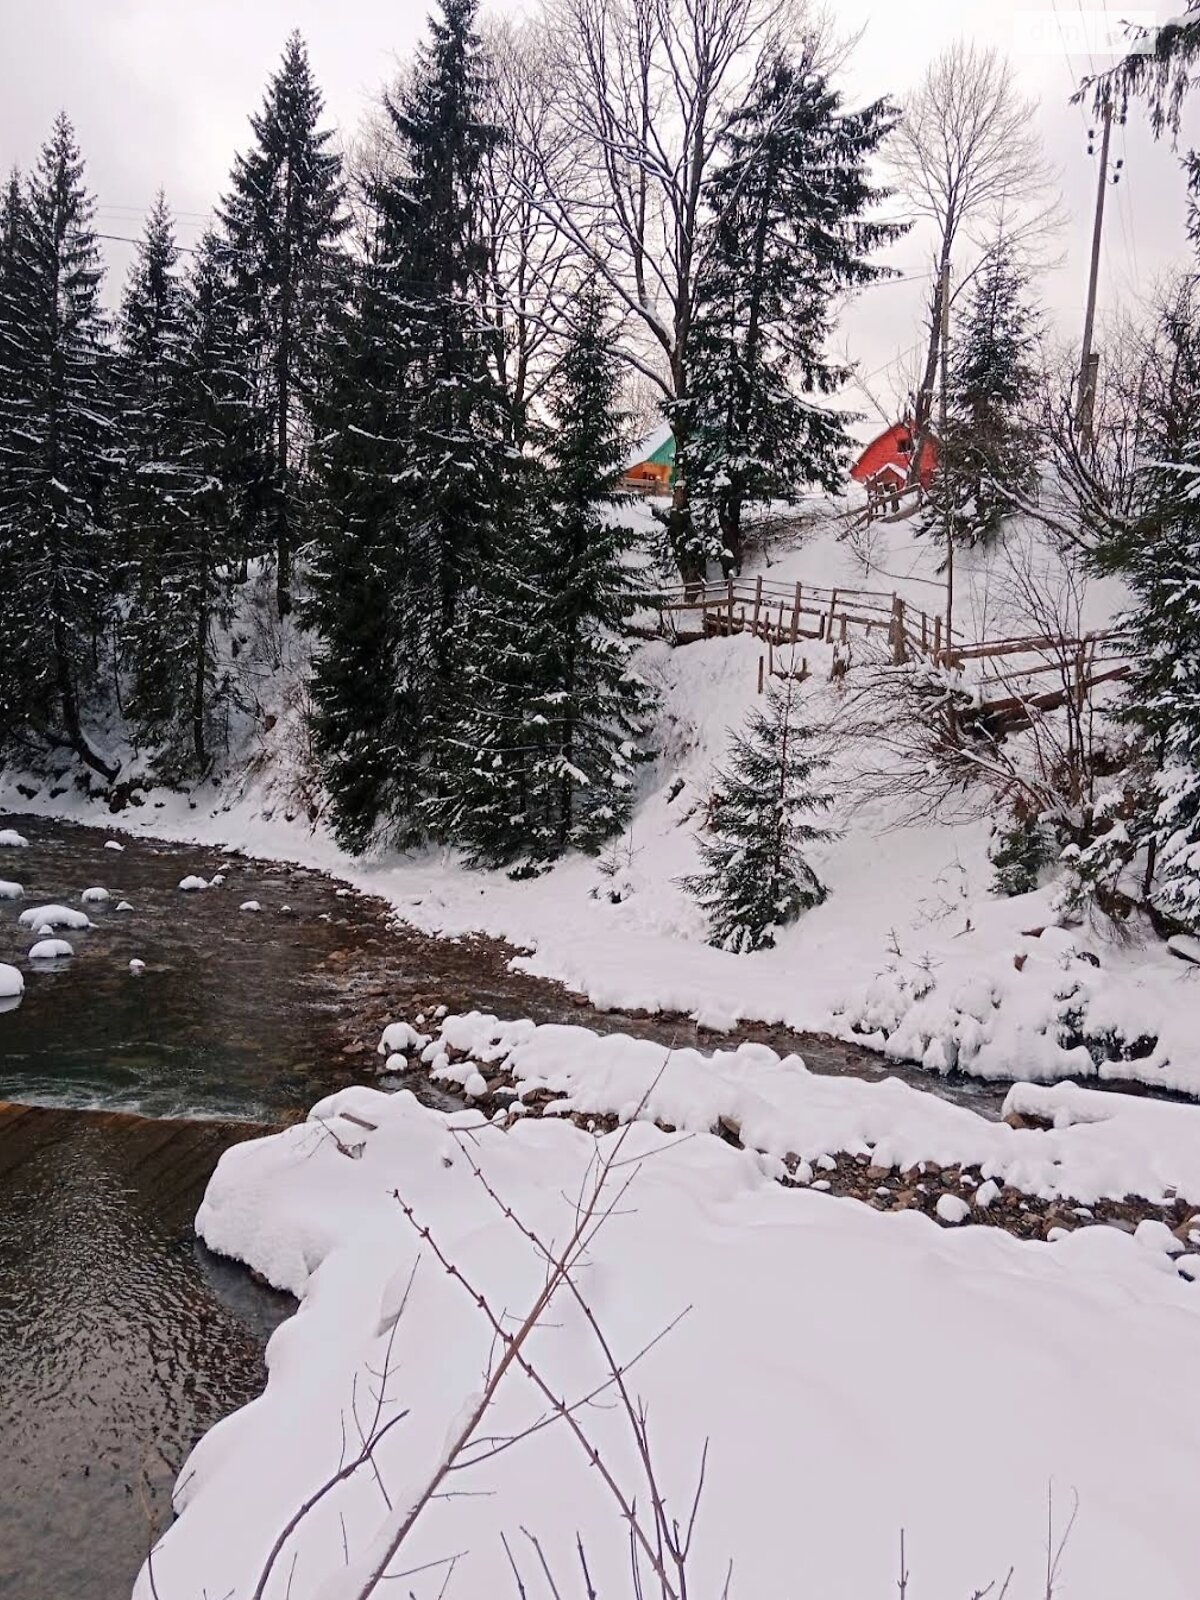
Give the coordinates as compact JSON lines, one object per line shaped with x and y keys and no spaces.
{"x":885,"y":463}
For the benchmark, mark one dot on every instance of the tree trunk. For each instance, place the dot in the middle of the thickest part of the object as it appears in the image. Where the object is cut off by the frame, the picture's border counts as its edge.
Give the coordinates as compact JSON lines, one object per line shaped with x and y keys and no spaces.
{"x":69,"y":703}
{"x":923,"y":400}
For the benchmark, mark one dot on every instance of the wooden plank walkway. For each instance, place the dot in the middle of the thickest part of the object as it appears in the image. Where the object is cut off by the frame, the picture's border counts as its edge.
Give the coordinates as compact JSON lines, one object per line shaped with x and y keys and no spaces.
{"x":1013,"y":678}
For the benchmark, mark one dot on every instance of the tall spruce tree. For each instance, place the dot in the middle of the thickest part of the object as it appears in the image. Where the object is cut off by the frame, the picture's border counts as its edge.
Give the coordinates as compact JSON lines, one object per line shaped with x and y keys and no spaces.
{"x":1159,"y":557}
{"x":456,"y":461}
{"x":149,"y":503}
{"x":988,"y":461}
{"x":790,"y":231}
{"x":413,"y":466}
{"x":55,"y":436}
{"x":755,"y":878}
{"x":282,"y":219}
{"x":201,"y":571}
{"x":543,"y":756}
{"x":367,"y":663}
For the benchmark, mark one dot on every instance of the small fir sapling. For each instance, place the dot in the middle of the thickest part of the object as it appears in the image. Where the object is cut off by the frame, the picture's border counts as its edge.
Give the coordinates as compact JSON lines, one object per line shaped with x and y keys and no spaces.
{"x":755,"y":878}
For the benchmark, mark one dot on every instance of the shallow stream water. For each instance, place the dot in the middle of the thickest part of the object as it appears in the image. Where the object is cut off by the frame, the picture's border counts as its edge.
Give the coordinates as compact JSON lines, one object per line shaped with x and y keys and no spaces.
{"x":121,"y":1339}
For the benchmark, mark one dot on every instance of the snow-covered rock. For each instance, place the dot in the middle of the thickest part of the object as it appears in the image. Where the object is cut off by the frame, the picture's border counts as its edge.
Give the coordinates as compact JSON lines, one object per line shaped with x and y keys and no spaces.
{"x":111,"y":844}
{"x":10,"y":838}
{"x":987,"y":1194}
{"x":191,"y":884}
{"x":50,"y":950}
{"x":217,"y":879}
{"x":10,"y":891}
{"x":1154,"y":1235}
{"x":39,"y":917}
{"x":952,"y":1209}
{"x":12,"y":984}
{"x":250,"y":905}
{"x":399,"y":1038}
{"x":95,"y":897}
{"x":136,"y":966}
{"x":123,"y":905}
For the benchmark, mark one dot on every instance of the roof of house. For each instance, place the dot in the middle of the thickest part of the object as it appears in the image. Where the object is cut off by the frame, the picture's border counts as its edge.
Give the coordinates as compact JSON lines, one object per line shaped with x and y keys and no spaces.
{"x":657,"y":449}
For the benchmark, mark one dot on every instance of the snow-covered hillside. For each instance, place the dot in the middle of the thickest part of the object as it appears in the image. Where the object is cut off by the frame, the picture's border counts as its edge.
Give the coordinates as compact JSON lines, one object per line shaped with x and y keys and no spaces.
{"x":912,"y":951}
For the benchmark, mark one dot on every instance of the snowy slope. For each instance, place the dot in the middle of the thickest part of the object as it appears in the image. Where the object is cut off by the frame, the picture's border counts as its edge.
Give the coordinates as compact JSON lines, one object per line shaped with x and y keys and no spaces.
{"x":911,"y":950}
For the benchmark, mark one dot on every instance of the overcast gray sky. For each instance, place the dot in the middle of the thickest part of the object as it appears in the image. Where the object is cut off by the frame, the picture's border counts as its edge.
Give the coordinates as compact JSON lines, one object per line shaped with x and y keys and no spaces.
{"x":160,"y":90}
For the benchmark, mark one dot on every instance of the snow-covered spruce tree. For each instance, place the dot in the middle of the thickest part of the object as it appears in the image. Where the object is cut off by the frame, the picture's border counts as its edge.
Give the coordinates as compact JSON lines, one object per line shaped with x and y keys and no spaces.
{"x":412,"y":461}
{"x":789,"y":201}
{"x":755,"y":878}
{"x":366,"y":673}
{"x":282,"y":220}
{"x":988,"y":461}
{"x":215,"y":471}
{"x":55,"y":436}
{"x":456,"y":462}
{"x":148,"y":502}
{"x":554,"y":717}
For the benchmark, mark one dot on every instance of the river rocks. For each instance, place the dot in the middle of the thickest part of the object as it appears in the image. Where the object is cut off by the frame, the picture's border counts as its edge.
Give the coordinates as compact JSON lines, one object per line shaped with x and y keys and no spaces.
{"x":952,"y":1209}
{"x":111,"y":844}
{"x":95,"y":897}
{"x":136,"y":966}
{"x":39,"y":917}
{"x":50,"y":950}
{"x":12,"y":840}
{"x":250,"y":905}
{"x":124,"y":905}
{"x":987,"y":1194}
{"x":1154,"y":1235}
{"x":12,"y":984}
{"x":10,"y":891}
{"x":192,"y":884}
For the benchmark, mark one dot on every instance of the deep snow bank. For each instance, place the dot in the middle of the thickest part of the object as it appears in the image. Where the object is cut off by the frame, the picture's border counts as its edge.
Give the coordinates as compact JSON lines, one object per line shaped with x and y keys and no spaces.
{"x":853,"y":1373}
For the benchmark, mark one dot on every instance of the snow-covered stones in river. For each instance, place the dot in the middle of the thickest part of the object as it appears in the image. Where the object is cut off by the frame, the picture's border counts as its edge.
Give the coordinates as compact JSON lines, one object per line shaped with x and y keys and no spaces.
{"x":10,"y":838}
{"x":952,"y":1209}
{"x":123,"y":905}
{"x":50,"y":950}
{"x":987,"y":1193}
{"x":95,"y":897}
{"x":136,"y":966}
{"x":51,"y":917}
{"x":111,"y":844}
{"x":12,"y":984}
{"x":10,"y":891}
{"x":217,"y":879}
{"x":192,"y":884}
{"x":250,"y":905}
{"x":400,"y":1037}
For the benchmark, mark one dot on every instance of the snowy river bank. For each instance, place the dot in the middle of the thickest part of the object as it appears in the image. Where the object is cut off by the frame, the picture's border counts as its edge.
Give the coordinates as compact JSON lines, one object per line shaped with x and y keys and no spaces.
{"x":867,"y":1337}
{"x":121,"y":1339}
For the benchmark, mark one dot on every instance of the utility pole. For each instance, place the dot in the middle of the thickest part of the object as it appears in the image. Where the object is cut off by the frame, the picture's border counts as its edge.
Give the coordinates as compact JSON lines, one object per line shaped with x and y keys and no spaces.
{"x":943,"y":414}
{"x":1089,"y":363}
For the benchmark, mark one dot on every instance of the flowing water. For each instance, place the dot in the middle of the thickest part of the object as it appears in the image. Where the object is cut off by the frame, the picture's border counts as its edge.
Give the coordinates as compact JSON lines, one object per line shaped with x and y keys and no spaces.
{"x":121,"y":1339}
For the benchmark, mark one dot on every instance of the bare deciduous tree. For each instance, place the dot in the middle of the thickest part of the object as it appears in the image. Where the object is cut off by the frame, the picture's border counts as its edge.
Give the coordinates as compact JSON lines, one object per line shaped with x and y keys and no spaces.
{"x":965,"y":154}
{"x":645,"y":91}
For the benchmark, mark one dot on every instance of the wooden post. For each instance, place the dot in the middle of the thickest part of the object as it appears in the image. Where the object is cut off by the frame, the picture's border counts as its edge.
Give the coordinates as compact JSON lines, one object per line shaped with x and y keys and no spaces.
{"x":796,"y":616}
{"x":899,"y":653}
{"x":760,"y":674}
{"x":731,"y":608}
{"x":757,"y":603}
{"x":924,"y":634}
{"x":770,"y":658}
{"x":937,"y":637}
{"x":844,"y":626}
{"x":833,"y":598}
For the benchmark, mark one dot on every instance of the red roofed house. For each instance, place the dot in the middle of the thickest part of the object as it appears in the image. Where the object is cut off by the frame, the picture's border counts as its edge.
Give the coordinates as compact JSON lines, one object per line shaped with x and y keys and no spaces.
{"x":884,"y":465}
